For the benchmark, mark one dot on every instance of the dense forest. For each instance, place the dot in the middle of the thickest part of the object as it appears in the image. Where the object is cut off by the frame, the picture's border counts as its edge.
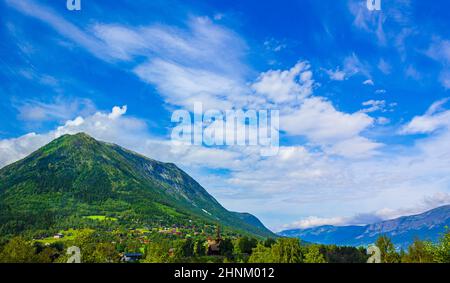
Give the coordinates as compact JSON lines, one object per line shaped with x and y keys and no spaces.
{"x":175,"y":245}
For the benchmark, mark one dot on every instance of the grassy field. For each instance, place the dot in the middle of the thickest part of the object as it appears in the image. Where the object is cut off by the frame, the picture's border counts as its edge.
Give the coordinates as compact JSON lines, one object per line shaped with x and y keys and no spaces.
{"x":100,"y":218}
{"x":69,"y":235}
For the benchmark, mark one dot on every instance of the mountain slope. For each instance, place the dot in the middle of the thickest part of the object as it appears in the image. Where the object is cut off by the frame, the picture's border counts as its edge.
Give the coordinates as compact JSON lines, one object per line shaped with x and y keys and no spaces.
{"x":427,"y":226}
{"x":76,"y":175}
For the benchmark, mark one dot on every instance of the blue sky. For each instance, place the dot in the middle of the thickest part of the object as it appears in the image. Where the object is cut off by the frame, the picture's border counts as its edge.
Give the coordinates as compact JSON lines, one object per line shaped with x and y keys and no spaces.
{"x":362,"y":95}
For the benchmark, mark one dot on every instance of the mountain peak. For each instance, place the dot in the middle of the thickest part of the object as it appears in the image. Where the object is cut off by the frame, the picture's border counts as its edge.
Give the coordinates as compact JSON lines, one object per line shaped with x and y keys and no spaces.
{"x":73,"y":141}
{"x":78,"y":175}
{"x":81,"y":136}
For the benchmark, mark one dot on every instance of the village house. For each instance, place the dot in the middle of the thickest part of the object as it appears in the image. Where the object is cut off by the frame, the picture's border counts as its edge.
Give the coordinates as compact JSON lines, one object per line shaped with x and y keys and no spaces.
{"x":58,"y":236}
{"x":214,"y":244}
{"x":130,"y":257}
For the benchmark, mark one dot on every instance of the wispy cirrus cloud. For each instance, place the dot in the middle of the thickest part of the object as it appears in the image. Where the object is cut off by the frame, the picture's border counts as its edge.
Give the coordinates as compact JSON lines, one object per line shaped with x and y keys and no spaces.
{"x":436,"y":117}
{"x":201,"y":62}
{"x":439,"y":50}
{"x":204,"y":62}
{"x":367,"y":20}
{"x":61,"y":25}
{"x":60,"y":109}
{"x":351,"y":66}
{"x":185,"y":65}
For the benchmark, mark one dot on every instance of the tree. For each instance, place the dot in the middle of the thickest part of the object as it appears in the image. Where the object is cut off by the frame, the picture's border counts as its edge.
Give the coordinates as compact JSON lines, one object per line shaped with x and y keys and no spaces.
{"x":287,"y":251}
{"x":269,"y":242}
{"x":199,"y":248}
{"x":418,"y":252}
{"x":226,"y":248}
{"x":313,"y":255}
{"x":105,"y":253}
{"x":441,"y":251}
{"x":245,"y":245}
{"x":261,"y":254}
{"x":183,"y":248}
{"x":387,"y":248}
{"x":47,"y":253}
{"x":335,"y":254}
{"x":86,"y":240}
{"x":18,"y":250}
{"x":160,"y":252}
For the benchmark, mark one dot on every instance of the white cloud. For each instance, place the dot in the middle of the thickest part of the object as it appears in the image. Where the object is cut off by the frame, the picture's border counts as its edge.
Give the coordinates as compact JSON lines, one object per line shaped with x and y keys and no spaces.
{"x":317,"y":119}
{"x":368,"y":82}
{"x":13,"y":149}
{"x":183,"y":86}
{"x":435,"y":118}
{"x":314,"y":221}
{"x":288,"y":86}
{"x":435,"y":200}
{"x":274,"y":45}
{"x":336,"y":75}
{"x":121,"y":42}
{"x":356,"y":147}
{"x":352,"y":66}
{"x":117,"y":112}
{"x":374,"y":106}
{"x":383,"y":120}
{"x":197,"y":45}
{"x":303,"y":114}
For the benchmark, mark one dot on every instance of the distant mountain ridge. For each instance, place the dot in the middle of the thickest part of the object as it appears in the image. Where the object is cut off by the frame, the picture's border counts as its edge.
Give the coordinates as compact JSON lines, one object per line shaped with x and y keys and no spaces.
{"x":76,"y":175}
{"x":403,"y":230}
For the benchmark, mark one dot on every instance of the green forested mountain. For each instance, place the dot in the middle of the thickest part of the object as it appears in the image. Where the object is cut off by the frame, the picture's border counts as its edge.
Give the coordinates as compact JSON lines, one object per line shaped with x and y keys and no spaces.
{"x":76,"y":176}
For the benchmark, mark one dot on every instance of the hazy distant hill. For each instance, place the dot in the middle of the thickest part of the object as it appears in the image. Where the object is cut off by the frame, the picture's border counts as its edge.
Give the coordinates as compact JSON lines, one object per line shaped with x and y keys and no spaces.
{"x":403,"y":230}
{"x":76,"y":175}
